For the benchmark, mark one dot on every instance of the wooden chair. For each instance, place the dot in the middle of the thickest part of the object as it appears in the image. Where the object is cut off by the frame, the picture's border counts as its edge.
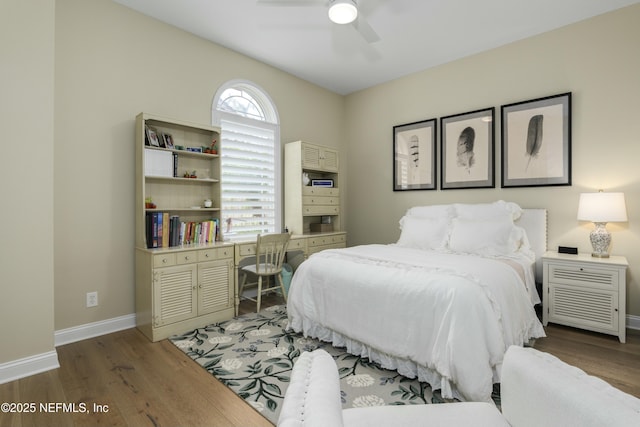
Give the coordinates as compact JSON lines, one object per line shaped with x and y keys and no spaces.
{"x":270,"y":252}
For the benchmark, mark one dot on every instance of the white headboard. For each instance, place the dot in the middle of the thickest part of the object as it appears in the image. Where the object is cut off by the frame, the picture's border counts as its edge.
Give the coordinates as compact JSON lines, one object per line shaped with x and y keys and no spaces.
{"x":534,"y":221}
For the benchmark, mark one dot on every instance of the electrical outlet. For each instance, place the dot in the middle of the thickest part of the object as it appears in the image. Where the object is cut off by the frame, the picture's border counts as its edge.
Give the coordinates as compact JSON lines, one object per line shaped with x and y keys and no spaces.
{"x":92,"y":299}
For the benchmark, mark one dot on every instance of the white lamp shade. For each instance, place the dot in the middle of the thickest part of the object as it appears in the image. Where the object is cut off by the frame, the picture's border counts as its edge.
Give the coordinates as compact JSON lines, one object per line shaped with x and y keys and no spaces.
{"x":343,"y":11}
{"x":602,"y":207}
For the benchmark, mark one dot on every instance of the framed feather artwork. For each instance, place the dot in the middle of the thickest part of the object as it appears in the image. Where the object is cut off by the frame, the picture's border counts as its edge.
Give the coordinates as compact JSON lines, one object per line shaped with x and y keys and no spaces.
{"x":467,"y":150}
{"x":536,"y":142}
{"x":414,"y":156}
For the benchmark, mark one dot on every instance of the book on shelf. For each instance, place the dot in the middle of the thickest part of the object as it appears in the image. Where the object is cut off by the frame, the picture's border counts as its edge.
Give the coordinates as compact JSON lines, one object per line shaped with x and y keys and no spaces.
{"x":164,"y":230}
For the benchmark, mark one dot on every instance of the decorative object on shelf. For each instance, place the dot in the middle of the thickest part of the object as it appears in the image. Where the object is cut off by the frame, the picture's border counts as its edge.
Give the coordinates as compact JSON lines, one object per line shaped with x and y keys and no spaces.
{"x":328,"y":183}
{"x":466,"y":150}
{"x":213,"y":149}
{"x":188,"y":174}
{"x":305,"y":178}
{"x":148,"y":204}
{"x":414,"y":156}
{"x":536,"y":142}
{"x":601,"y":208}
{"x":208,"y":203}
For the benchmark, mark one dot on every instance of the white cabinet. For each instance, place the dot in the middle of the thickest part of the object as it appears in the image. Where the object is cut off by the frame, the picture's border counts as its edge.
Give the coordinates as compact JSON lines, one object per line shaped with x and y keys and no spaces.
{"x":183,"y":289}
{"x":585,"y":292}
{"x":305,"y":205}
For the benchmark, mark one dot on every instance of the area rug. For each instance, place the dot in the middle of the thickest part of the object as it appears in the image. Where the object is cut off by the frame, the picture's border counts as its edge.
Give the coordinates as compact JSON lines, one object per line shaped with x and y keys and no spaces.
{"x":253,"y":355}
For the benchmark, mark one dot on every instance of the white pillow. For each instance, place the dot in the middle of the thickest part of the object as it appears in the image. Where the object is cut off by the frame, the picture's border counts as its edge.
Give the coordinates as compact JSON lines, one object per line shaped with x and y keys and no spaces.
{"x":488,"y":210}
{"x":423,"y":233}
{"x":432,"y":211}
{"x":489,"y":237}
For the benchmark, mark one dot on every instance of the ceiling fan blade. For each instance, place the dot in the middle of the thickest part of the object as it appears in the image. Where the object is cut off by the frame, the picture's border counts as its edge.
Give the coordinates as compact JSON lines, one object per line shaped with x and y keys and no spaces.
{"x":293,"y":3}
{"x":367,"y":32}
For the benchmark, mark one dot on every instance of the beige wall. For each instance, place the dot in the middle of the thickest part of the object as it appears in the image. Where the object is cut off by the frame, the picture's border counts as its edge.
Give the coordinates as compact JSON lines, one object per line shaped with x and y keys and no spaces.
{"x":111,"y":64}
{"x":26,"y":118}
{"x":597,"y":60}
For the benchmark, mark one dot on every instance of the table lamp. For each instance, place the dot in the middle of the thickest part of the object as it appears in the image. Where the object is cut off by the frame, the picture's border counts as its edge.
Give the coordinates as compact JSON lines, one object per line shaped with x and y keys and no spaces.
{"x":601,"y":208}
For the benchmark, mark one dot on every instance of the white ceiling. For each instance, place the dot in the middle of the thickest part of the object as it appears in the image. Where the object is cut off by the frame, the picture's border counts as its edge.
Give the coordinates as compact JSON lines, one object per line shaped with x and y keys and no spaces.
{"x":414,"y":34}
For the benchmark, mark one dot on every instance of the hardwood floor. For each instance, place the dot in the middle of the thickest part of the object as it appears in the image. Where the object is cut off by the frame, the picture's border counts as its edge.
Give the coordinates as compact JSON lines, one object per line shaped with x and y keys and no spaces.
{"x":135,"y":382}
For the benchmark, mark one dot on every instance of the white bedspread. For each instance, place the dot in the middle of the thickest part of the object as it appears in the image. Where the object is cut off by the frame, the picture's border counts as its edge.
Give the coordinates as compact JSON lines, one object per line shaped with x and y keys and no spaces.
{"x":447,"y":319}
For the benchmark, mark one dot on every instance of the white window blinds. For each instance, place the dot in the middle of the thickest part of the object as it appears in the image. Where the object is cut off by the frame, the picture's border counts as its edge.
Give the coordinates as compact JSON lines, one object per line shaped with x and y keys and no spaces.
{"x":249,"y":181}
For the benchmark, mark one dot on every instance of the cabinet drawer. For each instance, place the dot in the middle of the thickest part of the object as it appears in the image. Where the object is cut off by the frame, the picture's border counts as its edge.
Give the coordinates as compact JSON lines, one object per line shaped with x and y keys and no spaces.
{"x":246,"y":249}
{"x":320,"y":210}
{"x":337,"y":239}
{"x":296,"y":244}
{"x":215,"y":253}
{"x":320,"y":191}
{"x":164,"y":260}
{"x":592,"y":277}
{"x":186,"y":257}
{"x":320,"y":200}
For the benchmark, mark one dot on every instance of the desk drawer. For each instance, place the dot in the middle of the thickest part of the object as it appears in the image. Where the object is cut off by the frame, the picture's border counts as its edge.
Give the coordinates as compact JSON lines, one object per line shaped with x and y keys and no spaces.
{"x":215,"y":253}
{"x":246,"y":249}
{"x":296,"y":244}
{"x":332,"y":239}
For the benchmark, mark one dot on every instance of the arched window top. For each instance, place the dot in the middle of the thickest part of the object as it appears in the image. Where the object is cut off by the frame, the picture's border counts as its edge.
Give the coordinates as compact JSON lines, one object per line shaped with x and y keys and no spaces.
{"x":245,"y":99}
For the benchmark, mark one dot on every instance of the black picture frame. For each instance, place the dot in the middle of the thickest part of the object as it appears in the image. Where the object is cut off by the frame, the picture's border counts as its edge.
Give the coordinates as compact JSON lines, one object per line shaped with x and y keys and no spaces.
{"x":467,"y":150}
{"x":536,"y":142}
{"x":414,"y":156}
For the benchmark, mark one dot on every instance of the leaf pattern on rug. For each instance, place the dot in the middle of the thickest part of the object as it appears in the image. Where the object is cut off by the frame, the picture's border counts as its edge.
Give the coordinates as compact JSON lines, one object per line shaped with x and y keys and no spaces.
{"x":254,"y":354}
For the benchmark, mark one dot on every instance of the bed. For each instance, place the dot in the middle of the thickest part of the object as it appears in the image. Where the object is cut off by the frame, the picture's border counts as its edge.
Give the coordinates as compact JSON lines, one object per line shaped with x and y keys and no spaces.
{"x":442,"y":304}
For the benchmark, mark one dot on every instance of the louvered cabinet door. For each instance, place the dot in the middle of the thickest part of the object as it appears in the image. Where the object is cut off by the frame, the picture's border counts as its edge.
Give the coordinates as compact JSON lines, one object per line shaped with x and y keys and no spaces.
{"x":215,"y":286}
{"x":585,"y":292}
{"x":174,"y":294}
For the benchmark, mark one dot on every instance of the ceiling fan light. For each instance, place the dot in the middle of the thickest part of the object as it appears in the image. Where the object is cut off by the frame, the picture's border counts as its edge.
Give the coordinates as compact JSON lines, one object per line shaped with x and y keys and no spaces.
{"x":343,"y":11}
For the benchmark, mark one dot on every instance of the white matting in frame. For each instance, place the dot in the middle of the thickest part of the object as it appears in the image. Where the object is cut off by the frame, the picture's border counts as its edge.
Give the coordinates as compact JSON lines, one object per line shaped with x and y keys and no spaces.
{"x":414,"y":156}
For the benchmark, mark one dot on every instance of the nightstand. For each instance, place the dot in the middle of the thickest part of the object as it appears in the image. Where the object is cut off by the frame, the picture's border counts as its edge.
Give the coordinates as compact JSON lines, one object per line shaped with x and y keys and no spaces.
{"x":585,"y":292}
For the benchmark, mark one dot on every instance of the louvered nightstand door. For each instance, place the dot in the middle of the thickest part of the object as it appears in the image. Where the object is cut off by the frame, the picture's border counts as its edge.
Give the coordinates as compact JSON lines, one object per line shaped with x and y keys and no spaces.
{"x":585,"y":292}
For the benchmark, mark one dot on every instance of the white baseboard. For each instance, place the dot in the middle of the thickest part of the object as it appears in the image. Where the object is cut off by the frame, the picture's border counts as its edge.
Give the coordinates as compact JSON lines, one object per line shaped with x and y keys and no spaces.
{"x":633,"y":322}
{"x":95,"y":329}
{"x":38,"y":363}
{"x":28,"y":366}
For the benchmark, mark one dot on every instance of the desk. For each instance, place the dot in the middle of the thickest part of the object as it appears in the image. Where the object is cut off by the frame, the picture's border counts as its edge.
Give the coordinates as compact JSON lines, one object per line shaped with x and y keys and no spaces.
{"x":308,"y":244}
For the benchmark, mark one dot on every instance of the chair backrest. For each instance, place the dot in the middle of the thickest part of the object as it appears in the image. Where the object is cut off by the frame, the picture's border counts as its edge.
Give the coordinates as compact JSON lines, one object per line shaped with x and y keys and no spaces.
{"x":270,"y":252}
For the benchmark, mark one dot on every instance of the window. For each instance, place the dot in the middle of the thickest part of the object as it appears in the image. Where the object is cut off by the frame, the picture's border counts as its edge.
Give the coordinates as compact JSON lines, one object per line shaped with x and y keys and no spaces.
{"x":250,"y":161}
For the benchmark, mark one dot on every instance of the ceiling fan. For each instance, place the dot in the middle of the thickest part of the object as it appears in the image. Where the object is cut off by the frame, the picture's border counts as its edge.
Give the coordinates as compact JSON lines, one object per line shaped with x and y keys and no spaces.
{"x":339,"y":11}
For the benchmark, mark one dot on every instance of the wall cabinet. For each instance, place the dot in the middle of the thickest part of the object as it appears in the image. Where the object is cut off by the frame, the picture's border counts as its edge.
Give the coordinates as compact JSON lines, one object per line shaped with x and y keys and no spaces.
{"x":319,"y":158}
{"x":304,"y":203}
{"x":585,"y":292}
